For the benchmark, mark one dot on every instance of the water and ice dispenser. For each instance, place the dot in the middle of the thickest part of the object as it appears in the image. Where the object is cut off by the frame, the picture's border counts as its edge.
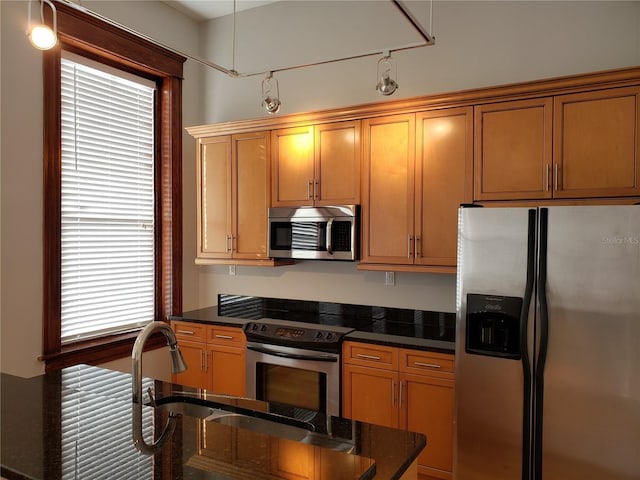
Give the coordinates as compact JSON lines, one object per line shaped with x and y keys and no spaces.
{"x":493,"y":325}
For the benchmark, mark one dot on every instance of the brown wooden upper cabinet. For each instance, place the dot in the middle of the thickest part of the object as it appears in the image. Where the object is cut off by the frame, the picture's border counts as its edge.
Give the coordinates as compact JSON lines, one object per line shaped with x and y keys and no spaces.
{"x":513,"y":149}
{"x":233,"y":173}
{"x":316,"y":165}
{"x":416,"y":172}
{"x":581,"y":145}
{"x":596,"y":144}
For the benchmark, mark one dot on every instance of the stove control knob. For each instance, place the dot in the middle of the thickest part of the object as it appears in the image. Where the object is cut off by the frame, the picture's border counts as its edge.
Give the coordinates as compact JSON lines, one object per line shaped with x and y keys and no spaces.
{"x":329,"y":336}
{"x":254,"y":326}
{"x":263,"y":328}
{"x":319,"y":336}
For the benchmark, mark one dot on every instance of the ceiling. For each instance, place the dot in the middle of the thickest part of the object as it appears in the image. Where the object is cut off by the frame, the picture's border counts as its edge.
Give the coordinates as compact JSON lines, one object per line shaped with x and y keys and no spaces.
{"x":208,"y":9}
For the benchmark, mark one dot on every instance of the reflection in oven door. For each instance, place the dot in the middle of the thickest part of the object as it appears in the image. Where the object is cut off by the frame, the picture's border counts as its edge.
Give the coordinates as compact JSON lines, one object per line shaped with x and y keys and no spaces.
{"x":292,"y":376}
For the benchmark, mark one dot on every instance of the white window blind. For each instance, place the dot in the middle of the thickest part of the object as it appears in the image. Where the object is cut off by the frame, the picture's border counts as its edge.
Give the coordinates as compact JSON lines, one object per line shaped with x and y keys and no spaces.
{"x":97,"y":440}
{"x":107,"y":201}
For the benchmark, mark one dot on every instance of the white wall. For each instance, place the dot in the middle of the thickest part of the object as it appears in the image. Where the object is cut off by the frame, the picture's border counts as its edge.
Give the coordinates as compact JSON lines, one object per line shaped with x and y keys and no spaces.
{"x":478,"y":43}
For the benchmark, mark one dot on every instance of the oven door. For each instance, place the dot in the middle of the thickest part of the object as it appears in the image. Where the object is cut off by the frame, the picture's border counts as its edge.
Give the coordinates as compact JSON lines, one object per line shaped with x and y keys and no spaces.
{"x":294,"y":376}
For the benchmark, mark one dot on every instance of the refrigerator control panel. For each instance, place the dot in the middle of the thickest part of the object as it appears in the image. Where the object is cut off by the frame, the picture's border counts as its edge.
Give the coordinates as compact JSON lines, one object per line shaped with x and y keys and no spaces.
{"x":493,"y":325}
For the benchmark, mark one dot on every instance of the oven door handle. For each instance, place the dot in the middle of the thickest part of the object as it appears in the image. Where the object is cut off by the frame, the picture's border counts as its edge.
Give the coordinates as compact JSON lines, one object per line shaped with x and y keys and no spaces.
{"x":293,"y":356}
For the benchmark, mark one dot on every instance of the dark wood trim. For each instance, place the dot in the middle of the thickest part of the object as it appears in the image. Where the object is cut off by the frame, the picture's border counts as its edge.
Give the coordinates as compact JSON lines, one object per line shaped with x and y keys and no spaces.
{"x":87,"y":35}
{"x":100,"y":37}
{"x":98,"y":351}
{"x":52,"y":191}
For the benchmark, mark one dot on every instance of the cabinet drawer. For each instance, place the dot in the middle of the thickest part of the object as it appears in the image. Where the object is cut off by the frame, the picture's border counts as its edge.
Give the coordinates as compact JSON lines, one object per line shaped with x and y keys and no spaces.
{"x":419,"y":362}
{"x":194,"y":332}
{"x":370,"y":355}
{"x":220,"y":335}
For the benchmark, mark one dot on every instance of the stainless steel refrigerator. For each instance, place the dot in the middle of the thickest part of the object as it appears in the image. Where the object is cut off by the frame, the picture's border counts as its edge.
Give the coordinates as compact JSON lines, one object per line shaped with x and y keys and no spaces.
{"x":548,"y":344}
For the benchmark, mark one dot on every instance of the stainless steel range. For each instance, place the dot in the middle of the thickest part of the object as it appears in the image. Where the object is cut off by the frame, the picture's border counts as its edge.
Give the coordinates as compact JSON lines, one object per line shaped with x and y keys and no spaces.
{"x":295,"y":363}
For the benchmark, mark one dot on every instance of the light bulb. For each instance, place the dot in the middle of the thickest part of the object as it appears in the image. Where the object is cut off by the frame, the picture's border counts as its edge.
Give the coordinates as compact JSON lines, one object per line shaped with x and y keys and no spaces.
{"x":42,"y":37}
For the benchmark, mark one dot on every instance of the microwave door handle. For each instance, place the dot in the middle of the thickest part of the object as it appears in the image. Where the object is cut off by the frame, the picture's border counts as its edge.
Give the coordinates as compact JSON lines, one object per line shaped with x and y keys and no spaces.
{"x":293,"y":356}
{"x":329,"y":235}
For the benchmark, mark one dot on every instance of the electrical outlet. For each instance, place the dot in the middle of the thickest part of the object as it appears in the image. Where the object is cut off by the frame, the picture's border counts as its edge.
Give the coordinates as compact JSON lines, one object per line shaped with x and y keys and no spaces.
{"x":232,"y":269}
{"x":389,"y":278}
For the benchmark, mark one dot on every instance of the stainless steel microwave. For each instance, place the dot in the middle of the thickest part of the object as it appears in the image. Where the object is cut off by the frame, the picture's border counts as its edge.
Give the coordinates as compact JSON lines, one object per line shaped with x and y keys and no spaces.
{"x":314,"y":233}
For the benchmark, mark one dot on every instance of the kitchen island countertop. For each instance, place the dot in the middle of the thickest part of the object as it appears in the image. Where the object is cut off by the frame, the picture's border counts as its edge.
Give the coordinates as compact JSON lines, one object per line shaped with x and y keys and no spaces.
{"x":76,"y":423}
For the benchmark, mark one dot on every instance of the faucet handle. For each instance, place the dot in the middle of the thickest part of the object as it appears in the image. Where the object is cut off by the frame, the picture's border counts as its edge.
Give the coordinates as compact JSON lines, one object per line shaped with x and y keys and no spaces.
{"x":152,"y":399}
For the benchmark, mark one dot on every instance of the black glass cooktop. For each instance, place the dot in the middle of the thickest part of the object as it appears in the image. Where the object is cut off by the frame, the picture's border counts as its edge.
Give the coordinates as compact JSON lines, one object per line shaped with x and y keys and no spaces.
{"x":364,"y":318}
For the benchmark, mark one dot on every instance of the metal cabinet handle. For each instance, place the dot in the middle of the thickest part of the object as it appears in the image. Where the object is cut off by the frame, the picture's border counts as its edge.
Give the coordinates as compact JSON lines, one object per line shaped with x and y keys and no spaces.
{"x":428,"y":365}
{"x":227,"y":245}
{"x":393,"y":393}
{"x":224,"y":337}
{"x":186,"y":332}
{"x":201,"y":360}
{"x":546,"y":181}
{"x":316,"y":190}
{"x":409,"y":238}
{"x":233,"y":241}
{"x":368,"y":357}
{"x":309,"y":189}
{"x":416,"y":246}
{"x":400,"y":396}
{"x":555,"y":177}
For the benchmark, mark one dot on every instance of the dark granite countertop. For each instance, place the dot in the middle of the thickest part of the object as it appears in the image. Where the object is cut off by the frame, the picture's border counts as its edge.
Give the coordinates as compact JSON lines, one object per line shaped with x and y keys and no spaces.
{"x":77,"y":423}
{"x":405,"y":328}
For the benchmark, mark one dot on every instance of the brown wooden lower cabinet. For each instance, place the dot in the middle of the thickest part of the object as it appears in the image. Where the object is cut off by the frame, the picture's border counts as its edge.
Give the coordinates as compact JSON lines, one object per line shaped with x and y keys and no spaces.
{"x":215,"y":357}
{"x":403,"y":388}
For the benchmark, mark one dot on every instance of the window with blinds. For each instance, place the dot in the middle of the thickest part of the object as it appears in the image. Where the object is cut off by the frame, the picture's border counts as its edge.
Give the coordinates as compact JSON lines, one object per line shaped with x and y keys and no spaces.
{"x":107,"y":237}
{"x":97,"y":442}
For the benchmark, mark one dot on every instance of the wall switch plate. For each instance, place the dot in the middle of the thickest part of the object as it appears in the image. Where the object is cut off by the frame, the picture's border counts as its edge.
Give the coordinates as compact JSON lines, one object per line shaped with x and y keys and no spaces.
{"x":232,"y":269}
{"x":389,"y":278}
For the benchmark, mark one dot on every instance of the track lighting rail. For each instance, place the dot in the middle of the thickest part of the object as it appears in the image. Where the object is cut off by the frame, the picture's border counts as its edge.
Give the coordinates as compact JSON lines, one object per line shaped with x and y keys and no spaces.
{"x":426,"y":36}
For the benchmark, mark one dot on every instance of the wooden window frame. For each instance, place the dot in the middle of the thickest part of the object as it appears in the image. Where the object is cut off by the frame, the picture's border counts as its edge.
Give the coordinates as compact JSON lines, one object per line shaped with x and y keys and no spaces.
{"x":85,"y":34}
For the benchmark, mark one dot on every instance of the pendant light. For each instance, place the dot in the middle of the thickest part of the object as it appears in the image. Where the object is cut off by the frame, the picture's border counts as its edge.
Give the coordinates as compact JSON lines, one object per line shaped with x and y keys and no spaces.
{"x":270,"y":98}
{"x":40,"y":34}
{"x":386,"y":85}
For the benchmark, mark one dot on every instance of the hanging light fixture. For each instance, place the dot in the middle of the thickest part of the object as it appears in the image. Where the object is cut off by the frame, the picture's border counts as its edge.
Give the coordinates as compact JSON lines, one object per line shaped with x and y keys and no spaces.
{"x":40,"y":34}
{"x":386,"y":85}
{"x":270,"y":99}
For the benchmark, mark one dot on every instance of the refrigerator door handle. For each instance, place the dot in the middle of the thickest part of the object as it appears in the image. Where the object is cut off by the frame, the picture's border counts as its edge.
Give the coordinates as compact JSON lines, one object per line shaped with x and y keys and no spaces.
{"x":544,"y":342}
{"x":524,"y":345}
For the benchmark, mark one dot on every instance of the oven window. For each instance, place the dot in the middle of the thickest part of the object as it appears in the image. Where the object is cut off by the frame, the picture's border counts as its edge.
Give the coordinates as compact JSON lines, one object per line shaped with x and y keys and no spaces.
{"x":291,"y":386}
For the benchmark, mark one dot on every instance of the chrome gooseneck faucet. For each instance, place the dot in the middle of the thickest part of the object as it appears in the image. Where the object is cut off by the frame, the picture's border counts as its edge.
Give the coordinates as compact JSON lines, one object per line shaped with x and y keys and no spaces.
{"x":177,"y":365}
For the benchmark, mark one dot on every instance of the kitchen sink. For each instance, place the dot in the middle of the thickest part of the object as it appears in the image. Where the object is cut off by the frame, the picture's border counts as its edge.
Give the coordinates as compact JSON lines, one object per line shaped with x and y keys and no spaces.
{"x":255,"y":421}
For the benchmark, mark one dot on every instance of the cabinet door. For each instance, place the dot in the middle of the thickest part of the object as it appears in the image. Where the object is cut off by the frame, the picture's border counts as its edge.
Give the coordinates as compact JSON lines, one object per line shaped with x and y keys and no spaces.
{"x":444,"y":176}
{"x":292,"y":166}
{"x":512,"y":150}
{"x":194,"y":356}
{"x":596,"y":144}
{"x":251,"y":194}
{"x":370,"y":395}
{"x":427,"y":407}
{"x":337,"y":164}
{"x":214,"y":197}
{"x":227,"y":370}
{"x":388,"y":189}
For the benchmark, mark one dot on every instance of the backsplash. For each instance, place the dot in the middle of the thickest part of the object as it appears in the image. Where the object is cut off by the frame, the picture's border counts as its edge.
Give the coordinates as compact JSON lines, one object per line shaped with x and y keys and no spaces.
{"x":385,"y":320}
